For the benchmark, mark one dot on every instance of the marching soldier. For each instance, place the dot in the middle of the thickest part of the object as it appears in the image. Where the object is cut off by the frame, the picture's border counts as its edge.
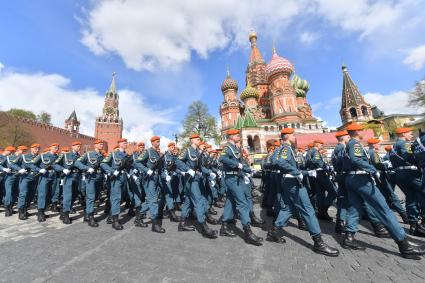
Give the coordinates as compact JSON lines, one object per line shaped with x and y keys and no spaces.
{"x":383,"y":184}
{"x":293,"y":191}
{"x":235,"y":171}
{"x":190,"y":165}
{"x":42,"y":165}
{"x":117,"y":165}
{"x":360,"y":182}
{"x":65,"y":164}
{"x":408,"y":178}
{"x":94,"y":177}
{"x":150,"y":164}
{"x":11,"y":179}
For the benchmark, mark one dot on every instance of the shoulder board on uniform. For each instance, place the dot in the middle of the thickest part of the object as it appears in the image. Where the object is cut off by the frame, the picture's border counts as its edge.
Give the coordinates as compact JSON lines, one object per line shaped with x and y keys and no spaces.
{"x":357,"y":150}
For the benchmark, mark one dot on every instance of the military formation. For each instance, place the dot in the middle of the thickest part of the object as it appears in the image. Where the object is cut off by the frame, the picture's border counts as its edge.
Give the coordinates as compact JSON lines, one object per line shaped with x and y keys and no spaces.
{"x":296,"y":183}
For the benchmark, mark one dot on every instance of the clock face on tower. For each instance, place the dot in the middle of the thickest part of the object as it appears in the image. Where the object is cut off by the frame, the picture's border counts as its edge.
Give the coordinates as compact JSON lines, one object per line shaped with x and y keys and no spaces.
{"x":109,"y":111}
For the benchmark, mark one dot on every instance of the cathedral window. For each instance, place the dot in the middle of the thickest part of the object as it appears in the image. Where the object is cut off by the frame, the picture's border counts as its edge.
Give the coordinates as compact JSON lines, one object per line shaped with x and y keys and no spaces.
{"x":272,"y":128}
{"x":292,"y":125}
{"x":298,"y":125}
{"x":364,"y":111}
{"x":353,"y":112}
{"x":266,"y":128}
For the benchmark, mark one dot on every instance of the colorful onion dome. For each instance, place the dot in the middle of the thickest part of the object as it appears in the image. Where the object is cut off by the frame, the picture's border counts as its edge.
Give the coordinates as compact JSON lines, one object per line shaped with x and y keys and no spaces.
{"x":248,"y":92}
{"x":300,"y":86}
{"x":229,"y":83}
{"x":278,"y":65}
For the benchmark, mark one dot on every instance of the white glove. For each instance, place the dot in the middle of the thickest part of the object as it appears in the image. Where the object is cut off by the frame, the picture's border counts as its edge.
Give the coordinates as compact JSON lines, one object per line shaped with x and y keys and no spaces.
{"x":377,"y":175}
{"x":83,"y":178}
{"x":116,"y":173}
{"x":61,"y":182}
{"x":300,"y":177}
{"x":312,"y":173}
{"x":191,"y":173}
{"x":174,"y":174}
{"x":213,"y":175}
{"x":168,"y":178}
{"x":240,"y":166}
{"x":7,"y":170}
{"x":212,"y":183}
{"x":135,"y":171}
{"x":22,"y":171}
{"x":150,"y":172}
{"x":246,"y":180}
{"x":66,"y":171}
{"x":42,"y":171}
{"x":219,"y":174}
{"x":134,"y":177}
{"x":90,"y":170}
{"x":183,"y":173}
{"x":253,"y":171}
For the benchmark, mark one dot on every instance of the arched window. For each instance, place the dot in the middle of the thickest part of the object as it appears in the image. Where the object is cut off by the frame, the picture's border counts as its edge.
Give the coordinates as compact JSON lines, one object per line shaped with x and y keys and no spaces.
{"x":364,"y":111}
{"x":266,"y":128}
{"x":285,"y":125}
{"x":280,"y":127}
{"x":353,"y":112}
{"x":309,"y":126}
{"x":298,"y":125}
{"x":272,"y":128}
{"x":292,"y":125}
{"x":317,"y":126}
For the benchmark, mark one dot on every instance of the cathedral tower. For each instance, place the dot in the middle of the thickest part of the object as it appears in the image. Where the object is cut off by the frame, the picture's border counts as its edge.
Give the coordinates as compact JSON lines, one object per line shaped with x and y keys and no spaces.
{"x":230,"y":107}
{"x":72,"y":124}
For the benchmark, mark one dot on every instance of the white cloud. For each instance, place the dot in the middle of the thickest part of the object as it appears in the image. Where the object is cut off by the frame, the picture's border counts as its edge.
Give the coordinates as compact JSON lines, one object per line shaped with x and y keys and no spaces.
{"x":394,"y":103}
{"x":416,"y":58}
{"x":51,"y":93}
{"x":308,"y":37}
{"x":1,"y":66}
{"x":155,"y":35}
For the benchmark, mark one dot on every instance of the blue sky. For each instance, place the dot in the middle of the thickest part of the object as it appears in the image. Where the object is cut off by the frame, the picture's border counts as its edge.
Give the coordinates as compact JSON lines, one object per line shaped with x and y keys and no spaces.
{"x":59,"y":55}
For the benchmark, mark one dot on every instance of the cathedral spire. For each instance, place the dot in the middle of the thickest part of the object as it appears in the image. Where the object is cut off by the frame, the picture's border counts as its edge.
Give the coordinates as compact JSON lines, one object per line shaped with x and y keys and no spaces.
{"x":255,"y":56}
{"x":353,"y":105}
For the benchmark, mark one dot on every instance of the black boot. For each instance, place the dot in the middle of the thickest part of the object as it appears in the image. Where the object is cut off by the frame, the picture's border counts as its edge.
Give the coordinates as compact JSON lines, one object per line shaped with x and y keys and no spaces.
{"x":255,"y":221}
{"x":138,"y":222}
{"x":156,"y":226}
{"x":321,"y":247}
{"x":250,"y":237}
{"x":226,"y":231}
{"x":109,"y":220}
{"x":91,"y":221}
{"x":86,"y":217}
{"x":54,"y":207}
{"x":339,"y":227}
{"x":130,"y":212}
{"x":351,"y":243}
{"x":207,"y":232}
{"x":185,"y":226}
{"x":218,"y":204}
{"x":107,"y":208}
{"x":116,"y":223}
{"x":7,"y":211}
{"x":212,"y":211}
{"x":173,"y":216}
{"x":41,"y":217}
{"x":273,"y":235}
{"x":380,"y":230}
{"x":416,"y":230}
{"x":404,"y":217}
{"x":271,"y":212}
{"x":408,"y":251}
{"x":211,"y":220}
{"x":66,"y":219}
{"x":322,"y":213}
{"x":301,"y":224}
{"x":22,"y":214}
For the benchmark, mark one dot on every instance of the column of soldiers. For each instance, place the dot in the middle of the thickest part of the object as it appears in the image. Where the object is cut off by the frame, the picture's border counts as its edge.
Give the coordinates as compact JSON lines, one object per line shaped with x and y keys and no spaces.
{"x":296,"y":184}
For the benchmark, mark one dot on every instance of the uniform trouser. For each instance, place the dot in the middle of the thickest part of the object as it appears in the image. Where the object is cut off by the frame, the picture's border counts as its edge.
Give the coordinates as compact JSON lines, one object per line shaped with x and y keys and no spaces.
{"x":360,"y":188}
{"x":248,"y":196}
{"x":1,"y":188}
{"x":44,"y":190}
{"x":152,"y":191}
{"x":92,"y":185}
{"x":55,"y":189}
{"x":26,"y":191}
{"x":11,"y":189}
{"x":193,"y":196}
{"x":70,"y":187}
{"x":410,"y":183}
{"x":176,"y":188}
{"x":326,"y":192}
{"x":389,"y":194}
{"x":166,"y":195}
{"x":341,"y":204}
{"x":295,"y":193}
{"x":223,"y":187}
{"x":117,"y":187}
{"x":134,"y":191}
{"x":236,"y":188}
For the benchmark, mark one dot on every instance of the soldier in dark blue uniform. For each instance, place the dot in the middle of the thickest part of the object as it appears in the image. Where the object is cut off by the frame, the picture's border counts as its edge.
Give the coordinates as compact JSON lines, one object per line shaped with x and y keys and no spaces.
{"x":360,"y":184}
{"x":265,"y":177}
{"x":27,"y":181}
{"x":11,"y":178}
{"x":190,"y":165}
{"x":235,"y":170}
{"x":90,"y":164}
{"x":42,"y":165}
{"x":135,"y":188}
{"x":64,"y":164}
{"x":383,"y":184}
{"x":408,"y":178}
{"x":418,"y":149}
{"x":150,"y":164}
{"x":325,"y":190}
{"x":117,"y":165}
{"x":293,"y":191}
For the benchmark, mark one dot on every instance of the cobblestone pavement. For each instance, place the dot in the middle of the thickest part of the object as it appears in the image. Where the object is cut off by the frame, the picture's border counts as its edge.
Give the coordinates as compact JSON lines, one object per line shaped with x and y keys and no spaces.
{"x":54,"y":252}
